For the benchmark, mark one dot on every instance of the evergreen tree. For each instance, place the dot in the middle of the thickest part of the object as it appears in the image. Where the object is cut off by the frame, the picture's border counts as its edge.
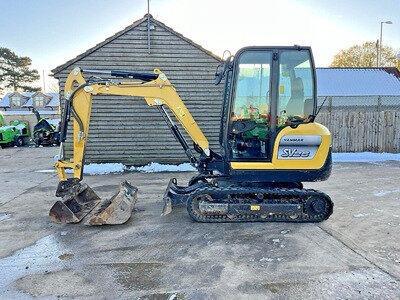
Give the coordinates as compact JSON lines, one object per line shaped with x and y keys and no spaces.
{"x":15,"y":72}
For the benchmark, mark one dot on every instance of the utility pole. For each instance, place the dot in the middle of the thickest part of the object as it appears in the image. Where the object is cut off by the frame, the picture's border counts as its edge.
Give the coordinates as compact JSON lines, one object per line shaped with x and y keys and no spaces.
{"x":380,"y":43}
{"x":377,"y":53}
{"x":44,"y":83}
{"x":148,"y":26}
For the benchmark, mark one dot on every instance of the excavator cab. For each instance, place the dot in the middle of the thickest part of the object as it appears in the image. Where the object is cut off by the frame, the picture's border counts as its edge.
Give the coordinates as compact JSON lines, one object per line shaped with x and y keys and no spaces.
{"x":269,"y":141}
{"x":266,"y":95}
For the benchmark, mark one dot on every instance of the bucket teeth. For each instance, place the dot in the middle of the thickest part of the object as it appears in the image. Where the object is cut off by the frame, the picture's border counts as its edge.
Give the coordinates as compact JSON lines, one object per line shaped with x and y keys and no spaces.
{"x":116,"y":210}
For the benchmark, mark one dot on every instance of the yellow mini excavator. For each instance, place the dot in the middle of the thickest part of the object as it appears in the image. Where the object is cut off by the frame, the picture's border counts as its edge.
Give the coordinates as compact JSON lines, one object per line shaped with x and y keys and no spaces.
{"x":269,"y":141}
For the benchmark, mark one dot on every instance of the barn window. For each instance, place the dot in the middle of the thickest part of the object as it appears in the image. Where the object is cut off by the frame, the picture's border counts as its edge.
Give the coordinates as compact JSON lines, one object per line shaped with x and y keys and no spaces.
{"x":15,"y":101}
{"x":39,"y":101}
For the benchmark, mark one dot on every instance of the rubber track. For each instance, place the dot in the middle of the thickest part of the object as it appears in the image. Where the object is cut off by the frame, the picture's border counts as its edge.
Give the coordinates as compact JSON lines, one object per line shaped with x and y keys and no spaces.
{"x":301,"y":194}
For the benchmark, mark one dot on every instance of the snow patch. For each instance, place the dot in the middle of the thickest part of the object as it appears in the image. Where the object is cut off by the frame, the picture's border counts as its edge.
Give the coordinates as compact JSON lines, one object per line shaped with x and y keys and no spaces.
{"x":7,"y":127}
{"x":48,"y":171}
{"x":364,"y":157}
{"x":156,"y":167}
{"x":107,"y":168}
{"x":20,"y":126}
{"x":4,"y":217}
{"x":266,"y":259}
{"x":360,"y":215}
{"x":100,"y":169}
{"x":269,"y":259}
{"x":28,"y":112}
{"x":53,"y":122}
{"x":382,"y":193}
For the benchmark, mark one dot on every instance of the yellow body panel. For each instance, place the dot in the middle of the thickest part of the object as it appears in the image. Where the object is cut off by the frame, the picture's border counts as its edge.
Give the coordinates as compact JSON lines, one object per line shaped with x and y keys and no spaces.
{"x":295,"y":164}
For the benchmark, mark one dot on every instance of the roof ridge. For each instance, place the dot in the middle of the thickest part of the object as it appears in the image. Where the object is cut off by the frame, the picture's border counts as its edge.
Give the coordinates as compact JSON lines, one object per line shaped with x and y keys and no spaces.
{"x":126,"y":29}
{"x":187,"y":40}
{"x":97,"y":46}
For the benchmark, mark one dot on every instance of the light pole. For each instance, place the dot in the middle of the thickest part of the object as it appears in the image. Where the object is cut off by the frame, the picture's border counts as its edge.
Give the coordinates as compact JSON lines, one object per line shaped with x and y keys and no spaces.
{"x":380,"y":41}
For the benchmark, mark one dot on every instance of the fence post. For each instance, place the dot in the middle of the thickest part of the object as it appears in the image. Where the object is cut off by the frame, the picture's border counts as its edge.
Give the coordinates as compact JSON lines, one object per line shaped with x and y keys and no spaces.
{"x":379,"y":107}
{"x":330,"y":105}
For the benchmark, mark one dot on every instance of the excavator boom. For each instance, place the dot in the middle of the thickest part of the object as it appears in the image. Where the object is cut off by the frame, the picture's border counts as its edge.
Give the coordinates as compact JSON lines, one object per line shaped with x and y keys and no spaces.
{"x":79,"y":199}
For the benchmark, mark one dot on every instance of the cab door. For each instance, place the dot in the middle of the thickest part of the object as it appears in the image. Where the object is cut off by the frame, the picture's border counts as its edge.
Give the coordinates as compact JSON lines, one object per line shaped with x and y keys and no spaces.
{"x":249,"y":128}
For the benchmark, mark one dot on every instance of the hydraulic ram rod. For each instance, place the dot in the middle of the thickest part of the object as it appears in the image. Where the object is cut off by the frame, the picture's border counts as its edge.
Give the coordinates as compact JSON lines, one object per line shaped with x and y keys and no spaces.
{"x":125,"y":74}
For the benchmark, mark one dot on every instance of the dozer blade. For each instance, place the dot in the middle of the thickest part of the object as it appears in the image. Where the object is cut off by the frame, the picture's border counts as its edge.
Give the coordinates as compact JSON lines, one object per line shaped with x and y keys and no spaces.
{"x":167,"y":209}
{"x":175,"y":195}
{"x":78,"y":200}
{"x":116,"y":210}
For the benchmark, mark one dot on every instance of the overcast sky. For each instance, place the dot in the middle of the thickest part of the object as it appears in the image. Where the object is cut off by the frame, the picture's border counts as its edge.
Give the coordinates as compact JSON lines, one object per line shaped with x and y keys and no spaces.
{"x":52,"y":32}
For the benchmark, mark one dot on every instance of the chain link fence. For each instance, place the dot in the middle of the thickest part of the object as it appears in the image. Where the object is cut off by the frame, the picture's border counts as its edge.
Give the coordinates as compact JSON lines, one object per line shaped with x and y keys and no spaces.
{"x":359,"y":103}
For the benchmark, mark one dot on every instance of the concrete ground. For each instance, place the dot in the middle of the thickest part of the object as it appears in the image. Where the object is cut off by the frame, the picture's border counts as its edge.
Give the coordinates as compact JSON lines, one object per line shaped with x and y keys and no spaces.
{"x":354,"y":254}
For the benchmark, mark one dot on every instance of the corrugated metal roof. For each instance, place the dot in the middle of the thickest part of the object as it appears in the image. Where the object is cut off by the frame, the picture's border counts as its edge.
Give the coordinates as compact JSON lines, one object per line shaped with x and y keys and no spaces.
{"x":357,"y":82}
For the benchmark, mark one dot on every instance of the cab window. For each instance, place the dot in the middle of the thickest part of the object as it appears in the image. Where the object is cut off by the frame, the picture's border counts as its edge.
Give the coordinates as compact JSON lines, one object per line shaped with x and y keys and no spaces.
{"x":249,"y":120}
{"x":296,"y":89}
{"x":252,"y":87}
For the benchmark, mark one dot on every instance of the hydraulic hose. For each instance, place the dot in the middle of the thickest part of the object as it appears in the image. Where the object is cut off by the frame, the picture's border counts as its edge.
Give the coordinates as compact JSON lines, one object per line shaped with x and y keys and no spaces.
{"x":69,"y":108}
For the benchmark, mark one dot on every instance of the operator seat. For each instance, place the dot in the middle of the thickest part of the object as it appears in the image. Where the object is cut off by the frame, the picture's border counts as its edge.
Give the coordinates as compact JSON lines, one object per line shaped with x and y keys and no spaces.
{"x":295,"y":105}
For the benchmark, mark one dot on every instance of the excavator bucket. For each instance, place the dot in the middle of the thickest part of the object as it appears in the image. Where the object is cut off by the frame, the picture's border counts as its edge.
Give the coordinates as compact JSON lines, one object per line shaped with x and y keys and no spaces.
{"x":80,"y":201}
{"x":118,"y":209}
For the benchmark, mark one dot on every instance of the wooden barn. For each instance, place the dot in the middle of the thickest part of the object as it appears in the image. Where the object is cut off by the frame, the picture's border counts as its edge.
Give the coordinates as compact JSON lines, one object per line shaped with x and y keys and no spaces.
{"x":125,"y":129}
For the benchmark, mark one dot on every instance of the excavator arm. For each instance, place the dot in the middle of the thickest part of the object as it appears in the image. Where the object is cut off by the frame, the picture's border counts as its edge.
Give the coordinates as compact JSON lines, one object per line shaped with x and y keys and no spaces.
{"x":79,"y":200}
{"x":155,"y":88}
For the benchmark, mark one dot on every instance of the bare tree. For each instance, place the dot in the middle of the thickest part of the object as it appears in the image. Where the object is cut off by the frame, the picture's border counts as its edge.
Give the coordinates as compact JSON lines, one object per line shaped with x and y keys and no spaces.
{"x":362,"y":56}
{"x":53,"y":87}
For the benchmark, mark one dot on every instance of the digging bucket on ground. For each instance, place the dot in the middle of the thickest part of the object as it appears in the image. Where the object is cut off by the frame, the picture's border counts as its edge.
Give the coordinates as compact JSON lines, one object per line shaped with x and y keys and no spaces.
{"x":81,"y":202}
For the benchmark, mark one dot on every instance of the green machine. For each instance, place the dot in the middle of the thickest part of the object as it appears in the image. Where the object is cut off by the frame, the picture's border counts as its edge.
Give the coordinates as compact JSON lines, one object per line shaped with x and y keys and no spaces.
{"x":14,"y":134}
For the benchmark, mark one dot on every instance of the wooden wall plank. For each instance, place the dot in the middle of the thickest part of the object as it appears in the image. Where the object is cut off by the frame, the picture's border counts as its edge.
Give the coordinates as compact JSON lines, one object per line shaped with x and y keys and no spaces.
{"x":363,"y":131}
